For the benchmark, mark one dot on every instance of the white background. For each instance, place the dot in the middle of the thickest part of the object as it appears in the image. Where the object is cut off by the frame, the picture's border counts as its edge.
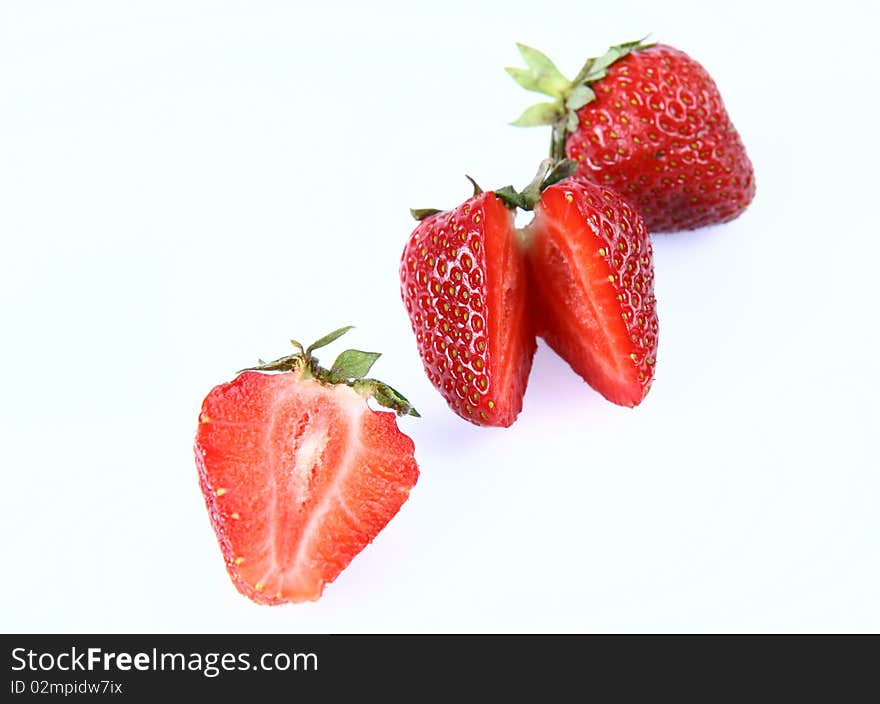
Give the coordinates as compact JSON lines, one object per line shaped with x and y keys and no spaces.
{"x":183,"y":186}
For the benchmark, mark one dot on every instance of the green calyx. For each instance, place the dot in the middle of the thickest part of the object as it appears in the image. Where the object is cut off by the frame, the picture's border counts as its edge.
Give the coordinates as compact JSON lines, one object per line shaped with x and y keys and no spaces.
{"x":424,"y":213}
{"x":542,"y":76}
{"x":350,"y":368}
{"x":549,"y":172}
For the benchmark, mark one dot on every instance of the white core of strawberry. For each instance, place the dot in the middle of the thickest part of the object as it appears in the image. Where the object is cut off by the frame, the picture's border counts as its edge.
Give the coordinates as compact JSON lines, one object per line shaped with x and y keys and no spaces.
{"x":353,"y":408}
{"x":308,"y":450}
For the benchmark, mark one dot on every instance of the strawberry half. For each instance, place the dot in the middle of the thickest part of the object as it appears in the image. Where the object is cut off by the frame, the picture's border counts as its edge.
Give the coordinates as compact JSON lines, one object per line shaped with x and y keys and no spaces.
{"x":592,"y":284}
{"x":462,"y":280}
{"x":299,"y":474}
{"x":648,"y":121}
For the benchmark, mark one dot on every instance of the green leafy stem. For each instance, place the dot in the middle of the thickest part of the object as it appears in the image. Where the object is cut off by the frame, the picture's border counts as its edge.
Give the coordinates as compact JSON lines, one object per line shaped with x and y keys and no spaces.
{"x":350,"y":368}
{"x":542,"y":76}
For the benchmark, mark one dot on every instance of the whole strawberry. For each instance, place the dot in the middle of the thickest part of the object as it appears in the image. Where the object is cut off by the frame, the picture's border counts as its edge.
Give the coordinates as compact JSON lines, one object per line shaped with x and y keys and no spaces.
{"x":648,"y":121}
{"x":463,"y":282}
{"x":299,"y":474}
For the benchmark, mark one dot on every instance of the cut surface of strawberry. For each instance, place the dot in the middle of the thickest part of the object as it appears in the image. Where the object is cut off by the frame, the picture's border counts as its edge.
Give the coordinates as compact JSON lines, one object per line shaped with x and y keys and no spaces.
{"x":591,"y":281}
{"x":463,"y":285}
{"x":298,"y":475}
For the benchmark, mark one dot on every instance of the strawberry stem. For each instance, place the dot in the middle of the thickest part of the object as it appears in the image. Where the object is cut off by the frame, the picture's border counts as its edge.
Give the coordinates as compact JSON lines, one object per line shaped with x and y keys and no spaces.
{"x":549,"y":172}
{"x":558,"y":135}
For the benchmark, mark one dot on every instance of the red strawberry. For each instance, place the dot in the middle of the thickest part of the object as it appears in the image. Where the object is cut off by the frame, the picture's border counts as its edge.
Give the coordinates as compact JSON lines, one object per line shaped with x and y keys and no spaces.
{"x":592,"y":282}
{"x":462,"y":280}
{"x":648,"y":121}
{"x":298,"y":473}
{"x":589,"y":291}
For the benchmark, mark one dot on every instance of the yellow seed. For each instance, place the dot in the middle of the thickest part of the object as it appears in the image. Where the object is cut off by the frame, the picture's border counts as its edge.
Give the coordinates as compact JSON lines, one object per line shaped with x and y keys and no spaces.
{"x":220,"y":492}
{"x":239,"y":560}
{"x":611,"y":278}
{"x":259,"y":586}
{"x":235,"y":516}
{"x":569,"y":197}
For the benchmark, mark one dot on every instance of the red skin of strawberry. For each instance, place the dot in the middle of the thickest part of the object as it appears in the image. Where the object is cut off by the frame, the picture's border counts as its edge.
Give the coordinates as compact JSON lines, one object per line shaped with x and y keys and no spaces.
{"x":298,"y":477}
{"x":659,"y":134}
{"x":463,"y":283}
{"x":591,"y":276}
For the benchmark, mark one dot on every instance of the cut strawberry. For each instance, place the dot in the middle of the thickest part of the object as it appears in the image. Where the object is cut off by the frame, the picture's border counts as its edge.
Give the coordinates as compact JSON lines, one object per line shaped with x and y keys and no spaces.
{"x":581,"y":275}
{"x":298,"y":473}
{"x":592,"y":285}
{"x":462,"y":281}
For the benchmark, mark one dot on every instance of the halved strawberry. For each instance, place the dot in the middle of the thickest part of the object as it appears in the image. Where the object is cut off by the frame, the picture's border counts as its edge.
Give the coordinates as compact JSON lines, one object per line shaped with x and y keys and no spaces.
{"x":592,"y":284}
{"x":299,"y":474}
{"x":462,"y":279}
